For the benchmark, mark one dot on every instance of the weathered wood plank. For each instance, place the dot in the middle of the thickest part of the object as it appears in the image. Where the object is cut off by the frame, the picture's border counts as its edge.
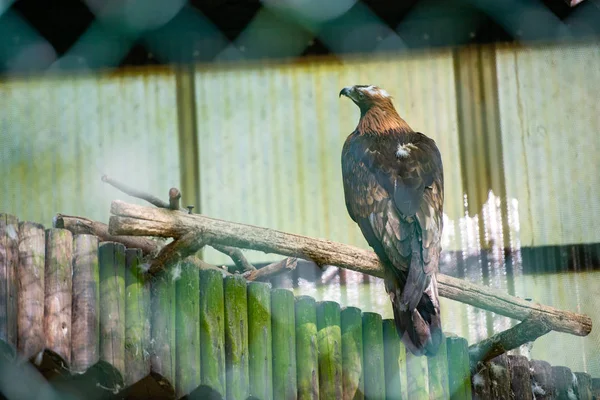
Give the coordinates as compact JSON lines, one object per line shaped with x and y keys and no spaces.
{"x":584,"y":386}
{"x":542,"y":382}
{"x":111,"y":258}
{"x":417,"y":376}
{"x":438,"y":373}
{"x":481,"y":385}
{"x":329,"y":340}
{"x":564,"y":382}
{"x":459,"y":374}
{"x":32,"y":256}
{"x":9,"y":260}
{"x":58,"y":292}
{"x":352,"y":354}
{"x":283,"y":325}
{"x":212,"y":330}
{"x":85,"y":334}
{"x":137,"y":319}
{"x":188,"y":373}
{"x":396,"y":384}
{"x":259,"y":341}
{"x":236,"y":337}
{"x":520,"y":379}
{"x":500,"y":378}
{"x":374,"y":375}
{"x":163,"y":354}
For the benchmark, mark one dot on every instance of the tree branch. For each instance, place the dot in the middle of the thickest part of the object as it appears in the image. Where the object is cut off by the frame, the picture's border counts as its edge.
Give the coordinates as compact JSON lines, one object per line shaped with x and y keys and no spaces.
{"x":271,"y":270}
{"x":531,"y":328}
{"x":236,"y":256}
{"x":135,"y":193}
{"x":130,"y":219}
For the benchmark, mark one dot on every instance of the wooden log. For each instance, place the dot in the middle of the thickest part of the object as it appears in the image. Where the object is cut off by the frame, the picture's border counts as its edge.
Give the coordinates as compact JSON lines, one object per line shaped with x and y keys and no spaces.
{"x":520,"y":379}
{"x":188,"y":373}
{"x":396,"y":384}
{"x":459,"y":374}
{"x":499,"y":378}
{"x":596,"y":388}
{"x":307,"y":362}
{"x":283,"y":325}
{"x":111,"y":257}
{"x":212,"y":330}
{"x":352,"y":354}
{"x":542,"y":382}
{"x":236,"y":337}
{"x":131,"y":219}
{"x":584,"y":386}
{"x":481,"y":385}
{"x":9,"y":260}
{"x":565,"y":384}
{"x":85,"y":331}
{"x":417,"y":377}
{"x":437,"y":369}
{"x":85,"y":226}
{"x":32,"y":256}
{"x":374,"y":376}
{"x":163,"y":354}
{"x":58,"y":292}
{"x":329,"y":341}
{"x":137,"y":319}
{"x":260,"y":363}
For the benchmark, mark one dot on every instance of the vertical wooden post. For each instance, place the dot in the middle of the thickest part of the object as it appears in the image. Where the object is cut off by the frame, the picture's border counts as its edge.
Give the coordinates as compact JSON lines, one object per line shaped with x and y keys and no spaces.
{"x":596,"y":388}
{"x":188,"y":329}
{"x":59,"y":292}
{"x":520,"y":380}
{"x":438,"y":373}
{"x":85,"y":335}
{"x":212,"y":330}
{"x":329,"y":339}
{"x":9,"y":259}
{"x":542,"y":382}
{"x":259,"y":340}
{"x":459,"y":374}
{"x":137,"y":319}
{"x":163,"y":356}
{"x":563,"y":380}
{"x":111,"y":257}
{"x":32,"y":256}
{"x":481,"y":387}
{"x":500,"y":378}
{"x":374,"y":376}
{"x":236,"y":337}
{"x":352,"y":354}
{"x":395,"y":362}
{"x":306,"y":348}
{"x":584,"y":386}
{"x":283,"y":325}
{"x":417,"y":379}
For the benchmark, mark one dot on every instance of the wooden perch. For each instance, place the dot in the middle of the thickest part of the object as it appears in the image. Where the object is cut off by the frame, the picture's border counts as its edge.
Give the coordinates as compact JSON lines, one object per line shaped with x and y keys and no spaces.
{"x":531,"y":328}
{"x":130,"y":219}
{"x":271,"y":270}
{"x":79,"y":225}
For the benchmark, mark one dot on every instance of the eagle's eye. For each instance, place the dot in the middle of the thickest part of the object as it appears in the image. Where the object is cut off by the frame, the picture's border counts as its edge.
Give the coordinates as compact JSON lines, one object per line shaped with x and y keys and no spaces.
{"x":361,"y":95}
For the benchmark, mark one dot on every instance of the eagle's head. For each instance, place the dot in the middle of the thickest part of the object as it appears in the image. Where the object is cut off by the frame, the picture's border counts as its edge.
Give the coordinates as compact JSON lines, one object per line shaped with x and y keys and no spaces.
{"x":367,"y":96}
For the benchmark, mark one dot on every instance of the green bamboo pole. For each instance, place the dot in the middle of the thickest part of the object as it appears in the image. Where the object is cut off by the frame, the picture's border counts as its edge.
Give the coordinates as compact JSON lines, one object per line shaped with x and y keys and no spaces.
{"x":187,"y":336}
{"x":329,"y":339}
{"x":137,"y":320}
{"x":111,"y":258}
{"x":212,"y":330}
{"x":352,"y":353}
{"x":459,"y":375}
{"x":259,"y":340}
{"x":372,"y":330}
{"x":236,"y":337}
{"x":416,"y":374}
{"x":163,"y":357}
{"x":9,"y":261}
{"x":396,"y":383}
{"x":306,"y":348}
{"x":284,"y":344}
{"x":438,"y":373}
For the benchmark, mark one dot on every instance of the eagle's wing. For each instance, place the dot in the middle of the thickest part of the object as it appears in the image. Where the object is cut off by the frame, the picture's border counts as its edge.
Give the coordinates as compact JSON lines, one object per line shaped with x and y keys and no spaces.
{"x":397,"y":200}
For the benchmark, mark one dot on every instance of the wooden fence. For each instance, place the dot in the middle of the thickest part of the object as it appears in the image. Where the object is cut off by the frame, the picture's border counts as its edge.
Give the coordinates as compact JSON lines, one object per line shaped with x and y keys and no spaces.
{"x":85,"y":317}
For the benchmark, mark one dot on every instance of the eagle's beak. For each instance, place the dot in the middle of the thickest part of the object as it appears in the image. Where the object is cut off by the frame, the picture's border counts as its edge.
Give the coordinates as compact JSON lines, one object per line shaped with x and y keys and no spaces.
{"x":345,"y":91}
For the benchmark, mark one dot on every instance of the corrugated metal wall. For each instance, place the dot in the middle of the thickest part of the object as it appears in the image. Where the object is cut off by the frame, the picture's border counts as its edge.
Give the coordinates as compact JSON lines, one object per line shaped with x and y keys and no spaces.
{"x":59,"y":135}
{"x":270,"y":139}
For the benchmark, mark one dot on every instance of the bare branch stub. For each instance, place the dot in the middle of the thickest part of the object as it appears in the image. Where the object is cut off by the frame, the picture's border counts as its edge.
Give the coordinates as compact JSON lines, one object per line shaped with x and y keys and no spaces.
{"x":174,"y":197}
{"x":236,"y":255}
{"x":269,"y":271}
{"x":135,"y":193}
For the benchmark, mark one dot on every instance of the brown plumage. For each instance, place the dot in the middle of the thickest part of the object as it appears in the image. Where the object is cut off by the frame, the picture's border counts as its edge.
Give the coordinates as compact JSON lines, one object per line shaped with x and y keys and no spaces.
{"x":394,"y":191}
